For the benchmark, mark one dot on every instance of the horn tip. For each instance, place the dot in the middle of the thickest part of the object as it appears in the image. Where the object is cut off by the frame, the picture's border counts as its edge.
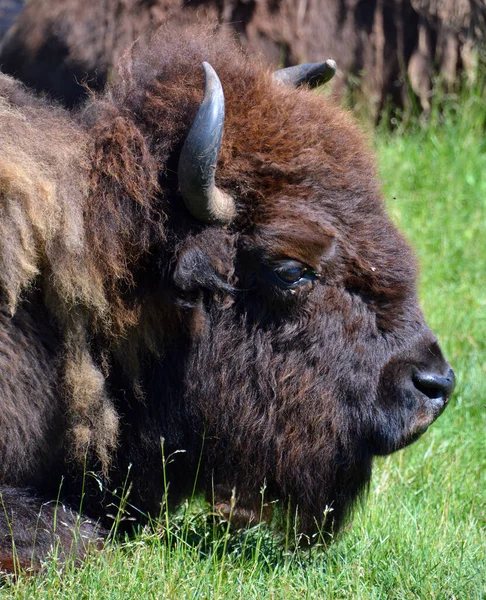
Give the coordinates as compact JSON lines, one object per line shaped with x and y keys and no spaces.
{"x":331,"y":64}
{"x":207,"y":68}
{"x":312,"y":74}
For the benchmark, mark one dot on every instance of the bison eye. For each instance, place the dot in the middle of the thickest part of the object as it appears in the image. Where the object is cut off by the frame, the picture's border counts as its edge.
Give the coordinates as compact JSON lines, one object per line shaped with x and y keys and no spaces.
{"x":290,"y":273}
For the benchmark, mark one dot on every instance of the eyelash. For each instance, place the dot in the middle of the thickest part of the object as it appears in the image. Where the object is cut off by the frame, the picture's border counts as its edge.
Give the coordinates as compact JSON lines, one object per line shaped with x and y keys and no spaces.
{"x":303,"y":274}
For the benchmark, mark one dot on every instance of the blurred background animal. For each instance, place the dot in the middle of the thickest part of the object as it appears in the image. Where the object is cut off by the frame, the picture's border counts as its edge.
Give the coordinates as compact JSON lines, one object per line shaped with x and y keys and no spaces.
{"x":386,"y":51}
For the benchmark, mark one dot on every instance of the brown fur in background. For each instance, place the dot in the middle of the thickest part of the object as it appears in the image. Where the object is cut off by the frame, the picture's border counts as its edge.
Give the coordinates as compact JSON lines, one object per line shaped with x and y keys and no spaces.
{"x":380,"y":46}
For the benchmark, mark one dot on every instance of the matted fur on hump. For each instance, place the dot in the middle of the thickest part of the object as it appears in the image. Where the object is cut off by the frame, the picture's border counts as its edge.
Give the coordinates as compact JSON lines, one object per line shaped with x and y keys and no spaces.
{"x":43,"y":248}
{"x":42,"y":191}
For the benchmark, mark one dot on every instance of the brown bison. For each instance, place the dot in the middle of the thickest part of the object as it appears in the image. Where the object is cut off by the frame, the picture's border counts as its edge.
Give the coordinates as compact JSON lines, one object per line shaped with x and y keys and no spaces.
{"x":200,"y":260}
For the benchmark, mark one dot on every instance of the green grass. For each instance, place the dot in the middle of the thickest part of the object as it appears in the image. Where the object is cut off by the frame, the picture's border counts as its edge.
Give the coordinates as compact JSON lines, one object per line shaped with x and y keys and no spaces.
{"x":422,"y":532}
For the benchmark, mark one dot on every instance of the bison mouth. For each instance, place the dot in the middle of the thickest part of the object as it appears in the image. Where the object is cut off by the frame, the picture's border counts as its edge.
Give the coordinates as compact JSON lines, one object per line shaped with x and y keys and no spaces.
{"x":412,"y":396}
{"x":411,"y":438}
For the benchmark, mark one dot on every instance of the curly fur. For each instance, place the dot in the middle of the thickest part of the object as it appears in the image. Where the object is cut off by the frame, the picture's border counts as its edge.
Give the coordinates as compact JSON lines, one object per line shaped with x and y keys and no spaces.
{"x":43,"y":241}
{"x":165,"y":328}
{"x":68,"y":47}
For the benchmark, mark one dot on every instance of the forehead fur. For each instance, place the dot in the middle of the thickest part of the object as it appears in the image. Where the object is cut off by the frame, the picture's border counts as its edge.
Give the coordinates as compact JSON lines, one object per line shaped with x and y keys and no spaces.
{"x":280,"y":144}
{"x":285,"y":151}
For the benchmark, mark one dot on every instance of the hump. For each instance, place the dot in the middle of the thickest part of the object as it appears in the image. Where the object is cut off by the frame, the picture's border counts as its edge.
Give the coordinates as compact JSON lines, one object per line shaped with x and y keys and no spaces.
{"x":41,"y":188}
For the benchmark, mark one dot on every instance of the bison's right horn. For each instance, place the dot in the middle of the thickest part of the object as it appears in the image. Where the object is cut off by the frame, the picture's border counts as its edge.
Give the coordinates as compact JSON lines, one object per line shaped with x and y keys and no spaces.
{"x":314,"y":74}
{"x":197,"y":162}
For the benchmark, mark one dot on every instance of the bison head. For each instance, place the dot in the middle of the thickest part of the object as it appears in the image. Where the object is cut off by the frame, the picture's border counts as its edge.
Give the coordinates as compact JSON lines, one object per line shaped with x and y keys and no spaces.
{"x":291,"y":347}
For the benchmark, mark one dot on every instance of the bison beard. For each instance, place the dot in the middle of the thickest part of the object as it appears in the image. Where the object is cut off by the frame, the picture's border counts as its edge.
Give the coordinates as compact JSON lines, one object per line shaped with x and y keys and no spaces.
{"x":283,"y":348}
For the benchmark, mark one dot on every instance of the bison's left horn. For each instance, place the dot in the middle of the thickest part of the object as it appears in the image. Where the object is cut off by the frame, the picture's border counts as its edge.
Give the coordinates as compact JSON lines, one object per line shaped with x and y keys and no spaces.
{"x":197,"y":162}
{"x":313,"y":74}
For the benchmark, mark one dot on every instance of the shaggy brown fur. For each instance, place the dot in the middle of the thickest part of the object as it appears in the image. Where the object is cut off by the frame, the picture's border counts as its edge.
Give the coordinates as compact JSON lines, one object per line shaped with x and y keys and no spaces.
{"x":164,"y":328}
{"x":83,"y":39}
{"x":43,"y":243}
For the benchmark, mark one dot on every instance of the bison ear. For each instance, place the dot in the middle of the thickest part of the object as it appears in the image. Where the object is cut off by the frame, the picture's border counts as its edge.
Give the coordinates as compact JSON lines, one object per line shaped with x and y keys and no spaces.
{"x":204,"y":266}
{"x":312,"y":74}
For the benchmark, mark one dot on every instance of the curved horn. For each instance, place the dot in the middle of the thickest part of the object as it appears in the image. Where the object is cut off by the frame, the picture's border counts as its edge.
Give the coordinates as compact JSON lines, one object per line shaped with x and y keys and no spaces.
{"x":197,"y":162}
{"x":314,"y":74}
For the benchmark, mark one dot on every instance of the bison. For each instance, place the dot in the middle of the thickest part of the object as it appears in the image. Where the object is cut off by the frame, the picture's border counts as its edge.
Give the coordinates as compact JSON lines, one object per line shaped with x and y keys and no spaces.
{"x":199,"y":264}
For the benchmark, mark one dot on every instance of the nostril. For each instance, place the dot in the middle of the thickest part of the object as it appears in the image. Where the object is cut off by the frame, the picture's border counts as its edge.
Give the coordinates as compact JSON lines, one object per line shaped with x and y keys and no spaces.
{"x":435,"y":387}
